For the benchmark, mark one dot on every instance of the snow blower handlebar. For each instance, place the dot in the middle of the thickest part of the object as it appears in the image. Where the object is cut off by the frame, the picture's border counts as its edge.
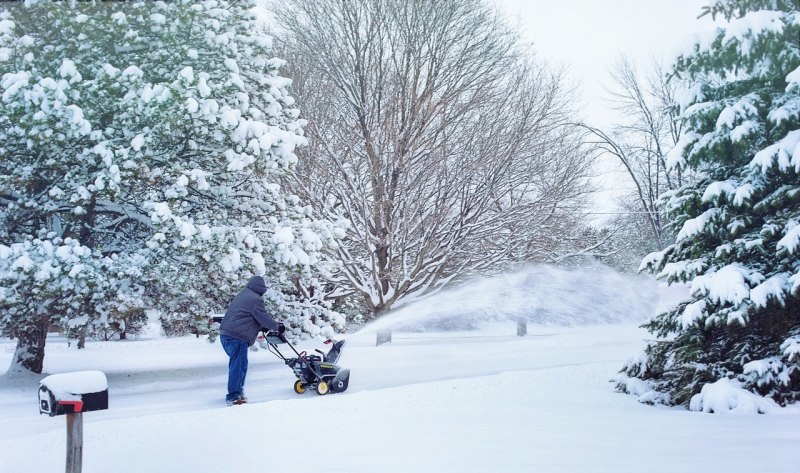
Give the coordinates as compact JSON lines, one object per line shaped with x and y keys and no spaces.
{"x":275,"y":338}
{"x":274,"y":334}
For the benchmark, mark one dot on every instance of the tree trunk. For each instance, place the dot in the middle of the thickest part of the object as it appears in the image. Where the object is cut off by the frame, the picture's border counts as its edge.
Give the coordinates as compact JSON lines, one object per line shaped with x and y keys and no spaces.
{"x":374,"y":311}
{"x":30,"y":346}
{"x":82,"y":339}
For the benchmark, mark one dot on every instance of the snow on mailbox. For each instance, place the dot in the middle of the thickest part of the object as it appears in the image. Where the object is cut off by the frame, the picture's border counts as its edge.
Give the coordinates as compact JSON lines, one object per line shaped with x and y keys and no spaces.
{"x":72,"y":393}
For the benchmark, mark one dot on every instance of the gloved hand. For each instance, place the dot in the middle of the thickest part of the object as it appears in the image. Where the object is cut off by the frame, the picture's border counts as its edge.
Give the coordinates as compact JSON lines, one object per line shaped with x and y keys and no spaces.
{"x":281,"y":327}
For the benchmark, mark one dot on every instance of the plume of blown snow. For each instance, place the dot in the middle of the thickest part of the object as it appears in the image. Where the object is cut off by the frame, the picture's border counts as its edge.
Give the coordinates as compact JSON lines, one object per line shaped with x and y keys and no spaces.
{"x":543,"y":295}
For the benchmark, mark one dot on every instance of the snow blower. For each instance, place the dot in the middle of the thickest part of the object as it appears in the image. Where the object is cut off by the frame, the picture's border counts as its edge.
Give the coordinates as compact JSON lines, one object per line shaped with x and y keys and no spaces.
{"x":318,"y":372}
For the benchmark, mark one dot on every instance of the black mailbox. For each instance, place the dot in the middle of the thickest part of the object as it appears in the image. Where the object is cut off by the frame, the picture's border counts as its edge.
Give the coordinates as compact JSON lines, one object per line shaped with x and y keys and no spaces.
{"x":72,"y":393}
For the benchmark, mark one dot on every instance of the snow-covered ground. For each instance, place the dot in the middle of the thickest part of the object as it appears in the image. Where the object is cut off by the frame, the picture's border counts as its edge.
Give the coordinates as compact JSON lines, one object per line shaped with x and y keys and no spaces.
{"x":473,"y":401}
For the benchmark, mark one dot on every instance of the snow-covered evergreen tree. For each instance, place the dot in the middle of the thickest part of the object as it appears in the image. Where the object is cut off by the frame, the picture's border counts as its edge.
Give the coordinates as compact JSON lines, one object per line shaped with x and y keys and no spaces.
{"x":738,"y":228}
{"x":142,"y":144}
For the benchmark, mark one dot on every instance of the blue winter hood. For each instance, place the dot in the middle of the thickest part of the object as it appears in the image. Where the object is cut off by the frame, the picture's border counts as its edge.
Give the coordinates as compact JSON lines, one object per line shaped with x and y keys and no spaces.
{"x":257,"y":285}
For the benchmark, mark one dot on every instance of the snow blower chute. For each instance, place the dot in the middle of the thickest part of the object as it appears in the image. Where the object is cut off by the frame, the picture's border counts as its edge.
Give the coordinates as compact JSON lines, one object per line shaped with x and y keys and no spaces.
{"x":318,"y":372}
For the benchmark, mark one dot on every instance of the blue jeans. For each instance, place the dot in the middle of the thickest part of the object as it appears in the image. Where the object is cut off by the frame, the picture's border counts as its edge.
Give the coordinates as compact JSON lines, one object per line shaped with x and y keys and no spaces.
{"x":237,"y":366}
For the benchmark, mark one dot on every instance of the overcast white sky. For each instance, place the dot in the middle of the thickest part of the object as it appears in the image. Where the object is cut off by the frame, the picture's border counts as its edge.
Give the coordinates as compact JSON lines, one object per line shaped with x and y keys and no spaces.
{"x":588,"y":36}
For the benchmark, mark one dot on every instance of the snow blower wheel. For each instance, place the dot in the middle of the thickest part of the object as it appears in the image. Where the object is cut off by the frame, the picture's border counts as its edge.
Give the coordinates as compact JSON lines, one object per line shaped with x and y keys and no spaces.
{"x":299,"y":388}
{"x":322,"y":388}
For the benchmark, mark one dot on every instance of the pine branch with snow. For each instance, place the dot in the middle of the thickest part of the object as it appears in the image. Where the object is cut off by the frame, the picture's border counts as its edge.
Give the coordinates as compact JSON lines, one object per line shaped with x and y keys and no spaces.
{"x":738,"y":233}
{"x":153,"y":136}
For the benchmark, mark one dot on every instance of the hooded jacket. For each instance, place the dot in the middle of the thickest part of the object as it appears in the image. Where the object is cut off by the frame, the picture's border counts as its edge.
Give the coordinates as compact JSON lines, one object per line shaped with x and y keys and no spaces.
{"x":246,"y":315}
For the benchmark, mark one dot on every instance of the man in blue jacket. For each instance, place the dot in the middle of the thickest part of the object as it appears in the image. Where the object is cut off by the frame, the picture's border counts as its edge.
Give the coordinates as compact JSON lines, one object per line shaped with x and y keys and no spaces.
{"x":245,"y":317}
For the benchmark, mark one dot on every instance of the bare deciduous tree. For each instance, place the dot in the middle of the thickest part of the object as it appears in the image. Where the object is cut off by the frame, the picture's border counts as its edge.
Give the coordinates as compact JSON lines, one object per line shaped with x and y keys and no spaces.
{"x":648,"y":132}
{"x":439,"y":139}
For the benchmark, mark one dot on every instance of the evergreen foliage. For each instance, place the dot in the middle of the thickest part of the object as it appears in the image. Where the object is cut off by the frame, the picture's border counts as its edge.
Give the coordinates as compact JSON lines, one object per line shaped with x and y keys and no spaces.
{"x":142,"y":148}
{"x":738,"y":227}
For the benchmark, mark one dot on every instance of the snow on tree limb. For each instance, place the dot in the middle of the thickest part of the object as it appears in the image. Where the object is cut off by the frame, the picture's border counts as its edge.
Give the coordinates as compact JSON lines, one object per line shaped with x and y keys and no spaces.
{"x":726,"y":348}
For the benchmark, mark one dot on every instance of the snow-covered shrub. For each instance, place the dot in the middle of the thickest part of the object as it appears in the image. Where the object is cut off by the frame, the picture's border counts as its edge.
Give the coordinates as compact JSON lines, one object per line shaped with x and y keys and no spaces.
{"x":727,"y":395}
{"x":630,"y":381}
